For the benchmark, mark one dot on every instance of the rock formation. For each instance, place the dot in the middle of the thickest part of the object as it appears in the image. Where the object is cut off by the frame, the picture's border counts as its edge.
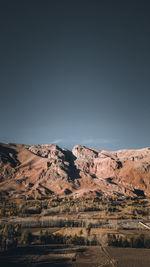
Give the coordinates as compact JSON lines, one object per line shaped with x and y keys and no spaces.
{"x":40,"y":171}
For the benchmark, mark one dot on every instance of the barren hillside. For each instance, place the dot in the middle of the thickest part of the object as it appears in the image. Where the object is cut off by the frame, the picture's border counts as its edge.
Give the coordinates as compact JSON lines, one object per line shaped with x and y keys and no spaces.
{"x":43,"y":170}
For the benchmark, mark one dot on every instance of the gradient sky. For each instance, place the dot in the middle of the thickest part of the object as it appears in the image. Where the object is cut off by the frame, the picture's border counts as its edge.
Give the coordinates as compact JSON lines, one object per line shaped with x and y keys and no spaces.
{"x":75,"y":72}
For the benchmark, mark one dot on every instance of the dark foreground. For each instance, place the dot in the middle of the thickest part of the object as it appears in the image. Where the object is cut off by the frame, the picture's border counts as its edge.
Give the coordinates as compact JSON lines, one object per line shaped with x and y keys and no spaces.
{"x":65,"y":256}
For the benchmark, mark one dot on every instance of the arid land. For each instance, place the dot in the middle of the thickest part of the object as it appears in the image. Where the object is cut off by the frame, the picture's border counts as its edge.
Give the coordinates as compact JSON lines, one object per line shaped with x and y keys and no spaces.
{"x":81,"y":208}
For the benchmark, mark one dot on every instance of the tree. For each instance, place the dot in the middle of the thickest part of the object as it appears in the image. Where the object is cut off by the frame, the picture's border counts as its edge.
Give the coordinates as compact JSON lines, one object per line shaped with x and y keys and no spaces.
{"x":147,"y":243}
{"x":88,"y":229}
{"x":27,"y":238}
{"x":9,"y":235}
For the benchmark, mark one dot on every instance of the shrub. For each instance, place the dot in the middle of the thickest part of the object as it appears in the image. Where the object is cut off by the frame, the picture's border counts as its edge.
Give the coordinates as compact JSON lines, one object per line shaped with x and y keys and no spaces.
{"x":76,"y":240}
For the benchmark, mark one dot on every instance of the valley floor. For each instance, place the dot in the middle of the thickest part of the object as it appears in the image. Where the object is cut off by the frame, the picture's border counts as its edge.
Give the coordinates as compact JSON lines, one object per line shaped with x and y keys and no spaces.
{"x":75,"y":233}
{"x":75,"y":256}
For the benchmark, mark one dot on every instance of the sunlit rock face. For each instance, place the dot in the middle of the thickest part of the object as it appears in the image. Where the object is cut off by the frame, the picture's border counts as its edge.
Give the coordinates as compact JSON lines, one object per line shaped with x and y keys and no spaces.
{"x":44,"y":170}
{"x":81,"y":152}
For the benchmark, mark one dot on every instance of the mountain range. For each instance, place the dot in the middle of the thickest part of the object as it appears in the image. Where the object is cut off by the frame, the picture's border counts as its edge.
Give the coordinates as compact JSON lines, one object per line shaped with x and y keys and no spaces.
{"x":42,"y":171}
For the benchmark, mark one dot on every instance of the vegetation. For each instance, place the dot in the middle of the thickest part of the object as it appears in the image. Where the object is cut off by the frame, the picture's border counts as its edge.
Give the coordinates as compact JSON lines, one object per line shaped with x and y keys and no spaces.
{"x":20,"y":217}
{"x":9,"y":236}
{"x":133,"y":242}
{"x":123,"y":208}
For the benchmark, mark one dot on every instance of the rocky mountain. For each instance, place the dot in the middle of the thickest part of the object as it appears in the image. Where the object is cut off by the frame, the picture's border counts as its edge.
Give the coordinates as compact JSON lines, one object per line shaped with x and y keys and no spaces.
{"x":44,"y":170}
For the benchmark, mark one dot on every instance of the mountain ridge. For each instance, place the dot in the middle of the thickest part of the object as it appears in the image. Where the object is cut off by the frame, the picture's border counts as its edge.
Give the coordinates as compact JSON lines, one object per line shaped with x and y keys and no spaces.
{"x":40,"y":171}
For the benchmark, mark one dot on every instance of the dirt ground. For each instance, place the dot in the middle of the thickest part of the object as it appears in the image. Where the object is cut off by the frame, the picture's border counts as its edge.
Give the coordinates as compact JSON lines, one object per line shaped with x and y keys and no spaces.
{"x":75,"y":256}
{"x":129,"y":257}
{"x":93,"y":256}
{"x":52,"y":255}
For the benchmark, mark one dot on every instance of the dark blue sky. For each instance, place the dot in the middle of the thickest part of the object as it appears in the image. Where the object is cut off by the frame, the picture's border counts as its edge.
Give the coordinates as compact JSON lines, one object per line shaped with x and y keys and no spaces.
{"x":75,"y":72}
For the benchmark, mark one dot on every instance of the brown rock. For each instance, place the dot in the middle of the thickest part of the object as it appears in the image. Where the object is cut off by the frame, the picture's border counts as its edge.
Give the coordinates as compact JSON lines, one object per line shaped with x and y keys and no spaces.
{"x":43,"y":170}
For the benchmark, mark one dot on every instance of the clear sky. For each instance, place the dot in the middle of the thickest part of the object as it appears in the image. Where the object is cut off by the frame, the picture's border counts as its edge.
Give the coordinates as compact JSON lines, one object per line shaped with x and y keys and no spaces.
{"x":75,"y":72}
